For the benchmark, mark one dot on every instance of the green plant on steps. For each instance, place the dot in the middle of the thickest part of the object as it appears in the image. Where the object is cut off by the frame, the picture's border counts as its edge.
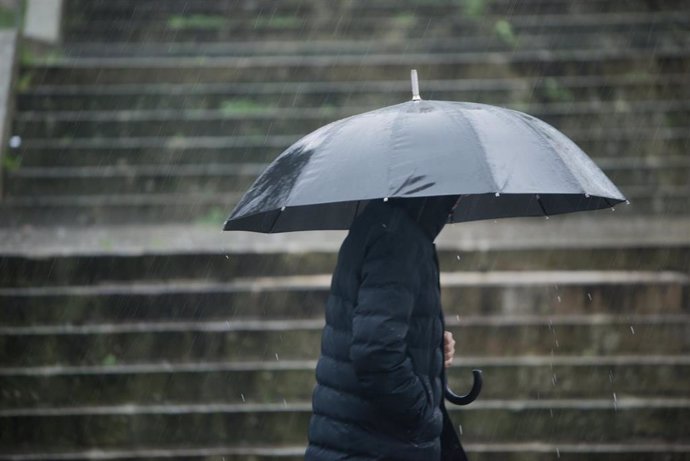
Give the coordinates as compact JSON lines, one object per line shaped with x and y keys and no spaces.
{"x":504,"y":31}
{"x":474,"y":9}
{"x":277,"y":22}
{"x":404,"y":19}
{"x":26,"y":57}
{"x":196,"y":21}
{"x":241,"y":106}
{"x":11,"y":163}
{"x":215,"y":216}
{"x":109,"y":360}
{"x":24,"y":81}
{"x":8,"y":16}
{"x":555,"y":92}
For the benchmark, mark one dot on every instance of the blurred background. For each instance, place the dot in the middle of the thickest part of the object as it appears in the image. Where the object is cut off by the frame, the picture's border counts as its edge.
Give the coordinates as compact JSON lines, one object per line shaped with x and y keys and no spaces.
{"x":132,"y":328}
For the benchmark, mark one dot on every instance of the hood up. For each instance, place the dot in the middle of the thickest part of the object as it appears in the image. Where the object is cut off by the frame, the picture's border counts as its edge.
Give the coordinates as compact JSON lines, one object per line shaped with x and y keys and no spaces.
{"x":431,"y":213}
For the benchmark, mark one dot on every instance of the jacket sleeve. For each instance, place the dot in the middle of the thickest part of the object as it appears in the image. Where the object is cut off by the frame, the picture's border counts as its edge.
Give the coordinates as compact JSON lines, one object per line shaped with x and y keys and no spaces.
{"x":387,"y":291}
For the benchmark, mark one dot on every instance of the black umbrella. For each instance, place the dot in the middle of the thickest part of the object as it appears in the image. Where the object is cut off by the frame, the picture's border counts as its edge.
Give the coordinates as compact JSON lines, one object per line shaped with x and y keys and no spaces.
{"x":501,"y":162}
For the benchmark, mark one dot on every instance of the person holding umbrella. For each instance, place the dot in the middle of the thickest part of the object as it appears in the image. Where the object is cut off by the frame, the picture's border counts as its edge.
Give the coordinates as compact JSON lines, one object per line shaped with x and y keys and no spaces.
{"x":379,"y":391}
{"x":393,"y":177}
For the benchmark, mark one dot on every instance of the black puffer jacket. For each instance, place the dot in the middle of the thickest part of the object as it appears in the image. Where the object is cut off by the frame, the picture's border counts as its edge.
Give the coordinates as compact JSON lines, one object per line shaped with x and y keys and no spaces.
{"x":379,"y":389}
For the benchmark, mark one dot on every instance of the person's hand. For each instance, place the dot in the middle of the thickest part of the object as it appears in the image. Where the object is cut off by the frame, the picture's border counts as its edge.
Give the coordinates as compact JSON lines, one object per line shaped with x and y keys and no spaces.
{"x":448,"y":348}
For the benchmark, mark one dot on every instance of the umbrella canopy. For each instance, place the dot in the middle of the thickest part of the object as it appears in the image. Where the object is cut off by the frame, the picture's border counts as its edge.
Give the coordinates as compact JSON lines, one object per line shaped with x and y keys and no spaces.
{"x":503,"y":163}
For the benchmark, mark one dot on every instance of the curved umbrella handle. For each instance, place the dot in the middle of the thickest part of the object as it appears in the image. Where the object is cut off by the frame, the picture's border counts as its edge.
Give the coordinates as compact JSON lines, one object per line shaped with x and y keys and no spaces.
{"x":471,"y":396}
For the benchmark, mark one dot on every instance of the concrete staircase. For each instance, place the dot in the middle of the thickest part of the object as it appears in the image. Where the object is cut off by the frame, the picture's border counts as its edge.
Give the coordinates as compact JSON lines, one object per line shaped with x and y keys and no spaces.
{"x":131,"y":328}
{"x":165,"y":111}
{"x":182,"y":353}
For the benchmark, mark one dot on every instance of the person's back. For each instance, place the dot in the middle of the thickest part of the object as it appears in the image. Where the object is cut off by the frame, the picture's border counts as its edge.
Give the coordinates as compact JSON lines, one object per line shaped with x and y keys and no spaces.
{"x":379,"y":376}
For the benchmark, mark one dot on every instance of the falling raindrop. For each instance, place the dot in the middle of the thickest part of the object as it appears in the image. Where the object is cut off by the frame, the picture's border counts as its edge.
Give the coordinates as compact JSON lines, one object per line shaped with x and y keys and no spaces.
{"x":613,"y":209}
{"x":284,"y":403}
{"x":227,"y":256}
{"x":546,"y":217}
{"x":277,"y":356}
{"x":586,"y":195}
{"x":460,"y":428}
{"x":615,"y":401}
{"x":627,"y":202}
{"x":498,"y":194}
{"x":458,"y":257}
{"x":611,"y":377}
{"x":559,"y":298}
{"x":589,"y":295}
{"x":15,"y":142}
{"x":385,"y":199}
{"x":554,"y":379}
{"x":243,"y":399}
{"x":632,"y":330}
{"x":558,"y":452}
{"x":282,"y":208}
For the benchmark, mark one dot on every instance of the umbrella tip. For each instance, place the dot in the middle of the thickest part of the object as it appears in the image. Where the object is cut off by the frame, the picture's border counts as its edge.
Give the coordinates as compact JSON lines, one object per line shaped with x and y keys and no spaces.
{"x":415,"y":85}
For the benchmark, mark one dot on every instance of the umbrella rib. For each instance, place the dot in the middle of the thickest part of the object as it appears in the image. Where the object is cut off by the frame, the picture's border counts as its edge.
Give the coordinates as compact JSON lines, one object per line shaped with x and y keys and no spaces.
{"x":273,"y":224}
{"x":484,"y":157}
{"x":547,"y":141}
{"x":394,"y":125}
{"x":356,"y":210}
{"x":541,"y":205}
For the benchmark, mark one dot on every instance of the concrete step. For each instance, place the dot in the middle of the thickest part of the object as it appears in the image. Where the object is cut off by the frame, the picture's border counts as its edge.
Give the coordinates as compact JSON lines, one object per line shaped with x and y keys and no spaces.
{"x":600,"y":241}
{"x":583,"y":137}
{"x":249,"y":97}
{"x":648,"y":154}
{"x":257,"y":121}
{"x":304,"y":297}
{"x":299,"y":339}
{"x":650,"y":141}
{"x":214,"y":179}
{"x":527,"y":451}
{"x":210,"y":207}
{"x":402,"y":23}
{"x":486,"y":421}
{"x":148,"y":9}
{"x":525,"y":33}
{"x":524,"y":377}
{"x":523,"y":63}
{"x":144,"y":179}
{"x":484,"y":38}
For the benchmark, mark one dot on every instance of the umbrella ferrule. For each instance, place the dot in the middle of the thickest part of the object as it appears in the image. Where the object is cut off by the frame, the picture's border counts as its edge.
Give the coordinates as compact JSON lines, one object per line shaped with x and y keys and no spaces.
{"x":415,"y":85}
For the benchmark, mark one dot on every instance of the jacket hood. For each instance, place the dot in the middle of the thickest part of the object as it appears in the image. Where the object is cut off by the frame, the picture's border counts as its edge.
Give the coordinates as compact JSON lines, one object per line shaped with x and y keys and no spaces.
{"x":431,"y":213}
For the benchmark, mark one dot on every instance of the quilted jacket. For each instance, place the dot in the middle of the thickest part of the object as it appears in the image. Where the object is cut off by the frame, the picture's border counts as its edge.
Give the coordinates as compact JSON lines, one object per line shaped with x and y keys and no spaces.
{"x":379,"y":376}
